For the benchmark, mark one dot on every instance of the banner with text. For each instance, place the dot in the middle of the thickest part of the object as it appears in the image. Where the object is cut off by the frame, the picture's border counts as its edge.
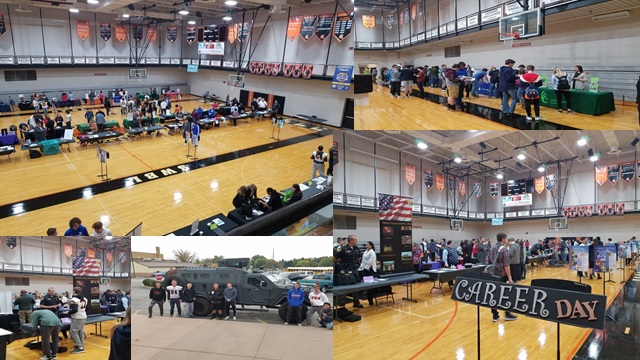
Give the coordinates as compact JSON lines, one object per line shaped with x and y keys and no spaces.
{"x":395,"y":234}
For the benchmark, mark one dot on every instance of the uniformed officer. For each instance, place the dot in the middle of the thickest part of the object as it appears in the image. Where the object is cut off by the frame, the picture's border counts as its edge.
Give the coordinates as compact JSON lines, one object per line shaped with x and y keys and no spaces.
{"x":51,"y":301}
{"x":350,"y":257}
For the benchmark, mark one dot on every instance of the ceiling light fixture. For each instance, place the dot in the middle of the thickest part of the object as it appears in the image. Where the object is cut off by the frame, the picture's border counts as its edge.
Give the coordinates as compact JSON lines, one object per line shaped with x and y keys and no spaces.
{"x":191,"y":22}
{"x":500,"y":175}
{"x":421,"y":145}
{"x":183,"y":11}
{"x":227,"y":17}
{"x":582,"y":141}
{"x":482,"y":145}
{"x":521,"y":155}
{"x":93,"y":2}
{"x":592,"y":156}
{"x":457,"y":159}
{"x":610,"y":16}
{"x":541,"y":168}
{"x":231,"y":3}
{"x":126,"y":16}
{"x":74,"y":10}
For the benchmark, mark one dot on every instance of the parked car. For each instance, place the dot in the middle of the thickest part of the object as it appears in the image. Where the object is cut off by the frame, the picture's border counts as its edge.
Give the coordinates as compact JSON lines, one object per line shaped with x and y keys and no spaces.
{"x":162,"y":273}
{"x":324,"y":280}
{"x":306,"y":274}
{"x":293,"y":276}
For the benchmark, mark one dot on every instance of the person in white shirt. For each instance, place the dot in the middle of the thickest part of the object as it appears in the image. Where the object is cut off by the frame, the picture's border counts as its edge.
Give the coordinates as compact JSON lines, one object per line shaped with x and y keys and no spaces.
{"x":317,"y":300}
{"x":78,"y":319}
{"x":319,"y":158}
{"x":123,"y":106}
{"x":262,"y":104}
{"x":368,"y":265}
{"x":174,"y":297}
{"x":100,"y":231}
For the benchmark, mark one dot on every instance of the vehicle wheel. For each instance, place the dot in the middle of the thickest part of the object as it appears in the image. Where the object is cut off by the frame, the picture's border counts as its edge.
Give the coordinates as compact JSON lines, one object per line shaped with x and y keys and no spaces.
{"x":169,"y":278}
{"x":201,"y":307}
{"x":324,"y":289}
{"x":283,"y":311}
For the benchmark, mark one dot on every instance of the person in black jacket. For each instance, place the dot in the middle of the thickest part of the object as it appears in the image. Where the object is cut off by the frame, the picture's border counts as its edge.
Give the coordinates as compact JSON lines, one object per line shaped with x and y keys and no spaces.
{"x":121,"y":339}
{"x":188,"y":296}
{"x":157,"y":295}
{"x":216,"y":296}
{"x":240,"y":196}
{"x":297,"y":194}
{"x":275,"y":201}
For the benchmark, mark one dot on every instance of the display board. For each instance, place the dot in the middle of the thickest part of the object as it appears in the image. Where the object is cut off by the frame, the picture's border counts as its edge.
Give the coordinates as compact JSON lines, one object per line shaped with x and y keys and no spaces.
{"x":517,"y":187}
{"x":605,"y":258}
{"x":579,"y":258}
{"x":395,"y":234}
{"x":91,"y":290}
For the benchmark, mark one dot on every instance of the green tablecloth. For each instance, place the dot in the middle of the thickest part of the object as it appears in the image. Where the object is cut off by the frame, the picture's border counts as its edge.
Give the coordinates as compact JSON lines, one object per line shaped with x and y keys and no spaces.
{"x":584,"y":102}
{"x":107,"y":125}
{"x":128,"y":123}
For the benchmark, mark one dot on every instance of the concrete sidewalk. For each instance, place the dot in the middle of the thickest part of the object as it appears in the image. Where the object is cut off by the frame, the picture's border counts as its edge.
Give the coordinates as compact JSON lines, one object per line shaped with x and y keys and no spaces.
{"x":165,"y":338}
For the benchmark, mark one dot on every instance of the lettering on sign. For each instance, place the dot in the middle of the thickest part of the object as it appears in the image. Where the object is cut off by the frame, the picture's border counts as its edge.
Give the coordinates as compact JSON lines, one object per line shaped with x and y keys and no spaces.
{"x":491,"y":15}
{"x":353,"y":200}
{"x":472,"y":20}
{"x":462,"y":24}
{"x":338,"y":198}
{"x":368,"y":202}
{"x":526,"y":43}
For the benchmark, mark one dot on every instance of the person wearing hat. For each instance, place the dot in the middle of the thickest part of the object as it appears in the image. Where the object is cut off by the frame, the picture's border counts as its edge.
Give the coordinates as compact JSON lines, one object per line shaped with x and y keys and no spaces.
{"x":317,"y":299}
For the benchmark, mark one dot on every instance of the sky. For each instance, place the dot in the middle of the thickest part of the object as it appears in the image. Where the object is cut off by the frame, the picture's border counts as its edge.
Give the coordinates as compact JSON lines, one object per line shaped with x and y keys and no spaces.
{"x":285,"y":247}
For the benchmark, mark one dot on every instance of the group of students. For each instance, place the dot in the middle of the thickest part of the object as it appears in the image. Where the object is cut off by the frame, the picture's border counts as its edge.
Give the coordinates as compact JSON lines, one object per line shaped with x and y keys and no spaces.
{"x":183,"y":298}
{"x":246,"y":198}
{"x":77,"y":229}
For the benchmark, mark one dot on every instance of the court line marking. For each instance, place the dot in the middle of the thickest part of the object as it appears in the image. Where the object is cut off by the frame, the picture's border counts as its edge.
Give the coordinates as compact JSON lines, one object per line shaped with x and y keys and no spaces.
{"x":455,"y":312}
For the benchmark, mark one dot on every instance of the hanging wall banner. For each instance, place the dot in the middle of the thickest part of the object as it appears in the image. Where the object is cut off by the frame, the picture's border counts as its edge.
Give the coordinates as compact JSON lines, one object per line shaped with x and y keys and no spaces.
{"x":550,"y":181}
{"x":293,"y":29}
{"x":414,"y":11}
{"x":405,"y":15}
{"x":401,"y":16}
{"x":105,"y":31}
{"x":368,"y":21}
{"x":68,"y":250}
{"x":452,"y":184}
{"x":82,"y":29}
{"x":410,"y":173}
{"x":613,"y":173}
{"x":121,"y":33}
{"x":288,"y":70}
{"x":275,"y":69}
{"x":137,"y":33}
{"x":628,"y":170}
{"x":619,"y":207}
{"x":172,"y":34}
{"x":152,"y":34}
{"x":267,"y":69}
{"x":493,"y":189}
{"x":259,"y":68}
{"x":581,"y":212}
{"x":297,"y":71}
{"x":420,"y":7}
{"x":3,"y":27}
{"x":109,"y":256}
{"x":191,"y":34}
{"x":342,"y":78}
{"x":539,"y":184}
{"x":477,"y":189}
{"x":243,"y":31}
{"x":463,"y":188}
{"x":308,"y":27}
{"x":325,"y":24}
{"x":440,"y":181}
{"x":232,"y":33}
{"x":252,"y":67}
{"x":307,"y":71}
{"x":605,"y":209}
{"x":390,"y":21}
{"x":428,"y":179}
{"x":601,"y":174}
{"x":588,"y":210}
{"x":11,"y":242}
{"x":343,"y":26}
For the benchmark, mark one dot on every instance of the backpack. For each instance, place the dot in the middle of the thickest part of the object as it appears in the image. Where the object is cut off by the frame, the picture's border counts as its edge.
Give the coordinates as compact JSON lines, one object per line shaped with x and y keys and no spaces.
{"x":563,"y":83}
{"x":452,"y":256}
{"x":492,"y":269}
{"x":451,"y":75}
{"x":532,"y":92}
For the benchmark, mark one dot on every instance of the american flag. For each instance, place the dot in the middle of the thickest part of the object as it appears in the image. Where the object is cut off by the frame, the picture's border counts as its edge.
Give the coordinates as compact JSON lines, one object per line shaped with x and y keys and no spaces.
{"x":395,"y":208}
{"x":85,"y":266}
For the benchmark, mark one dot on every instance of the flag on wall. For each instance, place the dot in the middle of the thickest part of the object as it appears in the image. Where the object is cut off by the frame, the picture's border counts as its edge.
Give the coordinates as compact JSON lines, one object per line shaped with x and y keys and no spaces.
{"x":68,"y":250}
{"x":368,"y":21}
{"x":395,"y":208}
{"x":440,"y":181}
{"x":601,"y":174}
{"x":410,"y":173}
{"x":172,"y":34}
{"x":342,"y":30}
{"x":307,"y":71}
{"x":414,"y":10}
{"x":550,"y":181}
{"x":232,"y":32}
{"x":152,"y":34}
{"x":628,"y":170}
{"x":297,"y":71}
{"x":325,"y":24}
{"x":613,"y":173}
{"x":137,"y":33}
{"x":3,"y":27}
{"x":82,"y":29}
{"x":121,"y":33}
{"x":390,"y":21}
{"x":619,"y":208}
{"x":275,"y":69}
{"x":477,"y":189}
{"x":493,"y":189}
{"x":105,"y":31}
{"x":308,"y":27}
{"x":83,"y":266}
{"x":288,"y":70}
{"x":293,"y":29}
{"x":428,"y":179}
{"x":191,"y":34}
{"x":539,"y":184}
{"x":463,"y":188}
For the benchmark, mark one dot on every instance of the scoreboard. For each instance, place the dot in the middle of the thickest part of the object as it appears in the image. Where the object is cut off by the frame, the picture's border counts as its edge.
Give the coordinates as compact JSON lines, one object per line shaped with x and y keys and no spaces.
{"x":517,"y":187}
{"x":212,"y":33}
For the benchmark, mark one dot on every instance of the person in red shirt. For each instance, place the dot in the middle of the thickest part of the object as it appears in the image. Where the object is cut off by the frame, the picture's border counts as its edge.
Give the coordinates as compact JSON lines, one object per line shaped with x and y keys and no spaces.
{"x":420,"y":79}
{"x":533,"y":79}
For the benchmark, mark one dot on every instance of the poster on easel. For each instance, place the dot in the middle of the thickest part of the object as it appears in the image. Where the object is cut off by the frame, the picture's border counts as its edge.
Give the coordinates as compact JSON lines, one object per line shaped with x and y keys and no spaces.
{"x":579,"y":258}
{"x":308,"y":27}
{"x":602,"y":255}
{"x":344,"y":23}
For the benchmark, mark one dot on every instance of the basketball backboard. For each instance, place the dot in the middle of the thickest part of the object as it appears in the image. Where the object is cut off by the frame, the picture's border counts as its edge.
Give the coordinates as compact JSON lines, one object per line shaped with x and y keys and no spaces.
{"x":527,"y":24}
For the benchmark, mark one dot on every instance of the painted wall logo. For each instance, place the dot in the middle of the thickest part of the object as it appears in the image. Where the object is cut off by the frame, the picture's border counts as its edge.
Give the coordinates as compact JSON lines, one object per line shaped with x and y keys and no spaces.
{"x":544,"y":98}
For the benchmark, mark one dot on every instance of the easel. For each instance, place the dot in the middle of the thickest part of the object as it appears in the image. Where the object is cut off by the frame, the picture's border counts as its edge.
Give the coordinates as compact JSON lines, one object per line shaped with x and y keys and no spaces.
{"x":103,"y":155}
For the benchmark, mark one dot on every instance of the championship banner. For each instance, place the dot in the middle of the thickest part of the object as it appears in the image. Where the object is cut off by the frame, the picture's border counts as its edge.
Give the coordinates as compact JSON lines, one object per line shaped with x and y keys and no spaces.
{"x":191,"y":34}
{"x":493,"y":189}
{"x":325,"y":24}
{"x":343,"y":26}
{"x":121,"y":33}
{"x":605,"y":209}
{"x":294,"y":27}
{"x":414,"y":10}
{"x":137,"y":33}
{"x":105,"y":31}
{"x":395,"y":234}
{"x":628,"y":170}
{"x":420,"y":7}
{"x":267,"y":70}
{"x":308,"y":27}
{"x":601,"y":174}
{"x":307,"y":71}
{"x":82,"y":29}
{"x":91,"y":253}
{"x":539,"y":184}
{"x":477,"y":189}
{"x":390,"y":21}
{"x":172,"y":34}
{"x":581,"y":212}
{"x":410,"y":173}
{"x":440,"y":181}
{"x":275,"y":69}
{"x":401,"y":16}
{"x":405,"y":15}
{"x":452,"y":184}
{"x":11,"y":242}
{"x":428,"y":179}
{"x":368,"y":21}
{"x":152,"y":34}
{"x":232,"y":32}
{"x":288,"y":70}
{"x":619,"y":207}
{"x":243,"y":31}
{"x":463,"y":188}
{"x":613,"y":173}
{"x":549,"y":304}
{"x":109,"y":256}
{"x":550,"y":181}
{"x":68,"y":250}
{"x":3,"y":27}
{"x":252,"y":67}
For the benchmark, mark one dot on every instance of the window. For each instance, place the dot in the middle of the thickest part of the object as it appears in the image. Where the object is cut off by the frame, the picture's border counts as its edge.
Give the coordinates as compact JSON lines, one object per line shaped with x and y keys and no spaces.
{"x":452,"y":51}
{"x":20,"y":75}
{"x":16,"y":281}
{"x":257,"y":282}
{"x":344,"y":222}
{"x":205,"y":275}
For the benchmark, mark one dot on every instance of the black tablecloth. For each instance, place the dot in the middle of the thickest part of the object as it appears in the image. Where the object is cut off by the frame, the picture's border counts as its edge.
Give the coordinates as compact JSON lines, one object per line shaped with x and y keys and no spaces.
{"x":99,"y":136}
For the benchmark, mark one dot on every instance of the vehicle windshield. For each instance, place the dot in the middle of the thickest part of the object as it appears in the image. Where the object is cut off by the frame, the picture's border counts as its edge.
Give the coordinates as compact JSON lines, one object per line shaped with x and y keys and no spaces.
{"x":272,"y":278}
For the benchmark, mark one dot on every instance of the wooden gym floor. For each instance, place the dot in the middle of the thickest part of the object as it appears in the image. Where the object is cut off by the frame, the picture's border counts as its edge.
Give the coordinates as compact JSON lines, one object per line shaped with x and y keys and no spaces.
{"x":96,"y":347}
{"x":384,"y":112}
{"x":165,"y":204}
{"x":437,"y":327}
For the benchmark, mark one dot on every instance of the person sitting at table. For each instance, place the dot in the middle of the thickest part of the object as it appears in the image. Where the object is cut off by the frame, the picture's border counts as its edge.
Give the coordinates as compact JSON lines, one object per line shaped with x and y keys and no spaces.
{"x":215,"y":106}
{"x":135,"y":118}
{"x":253,"y":193}
{"x":76,"y":228}
{"x":93,"y":126}
{"x":235,"y":102}
{"x":40,"y":133}
{"x":297,"y":194}
{"x":274,"y":203}
{"x":195,"y":114}
{"x":100,"y":120}
{"x":64,"y":97}
{"x":240,"y":196}
{"x":59,"y":120}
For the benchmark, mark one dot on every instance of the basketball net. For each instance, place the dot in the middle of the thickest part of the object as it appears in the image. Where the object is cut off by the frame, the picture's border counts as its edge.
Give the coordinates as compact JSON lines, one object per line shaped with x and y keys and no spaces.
{"x":556,"y":227}
{"x":507,"y":38}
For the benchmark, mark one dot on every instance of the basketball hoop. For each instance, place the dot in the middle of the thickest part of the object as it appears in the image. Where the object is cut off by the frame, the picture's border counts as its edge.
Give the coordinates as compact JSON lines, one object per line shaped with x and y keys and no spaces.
{"x":508,"y":37}
{"x":556,"y":227}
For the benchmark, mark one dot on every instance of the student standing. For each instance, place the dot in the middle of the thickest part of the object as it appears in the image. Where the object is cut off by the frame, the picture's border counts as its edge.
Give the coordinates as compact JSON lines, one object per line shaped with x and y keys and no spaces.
{"x":407,"y":77}
{"x":216,"y":296}
{"x":394,"y":81}
{"x":531,"y":92}
{"x":188,"y":296}
{"x":230,"y":295}
{"x":507,"y":84}
{"x":562,"y":88}
{"x":499,"y":258}
{"x":78,"y":319}
{"x":174,"y":291}
{"x":25,"y":305}
{"x":579,"y":78}
{"x":121,"y":339}
{"x":157,"y":295}
{"x":317,"y":300}
{"x":420,"y":78}
{"x":318,"y":157}
{"x":295,"y":298}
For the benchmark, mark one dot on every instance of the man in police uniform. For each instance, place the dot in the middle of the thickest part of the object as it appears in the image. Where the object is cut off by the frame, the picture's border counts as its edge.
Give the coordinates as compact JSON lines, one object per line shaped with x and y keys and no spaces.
{"x":319,"y":158}
{"x":51,"y":301}
{"x":350,"y":258}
